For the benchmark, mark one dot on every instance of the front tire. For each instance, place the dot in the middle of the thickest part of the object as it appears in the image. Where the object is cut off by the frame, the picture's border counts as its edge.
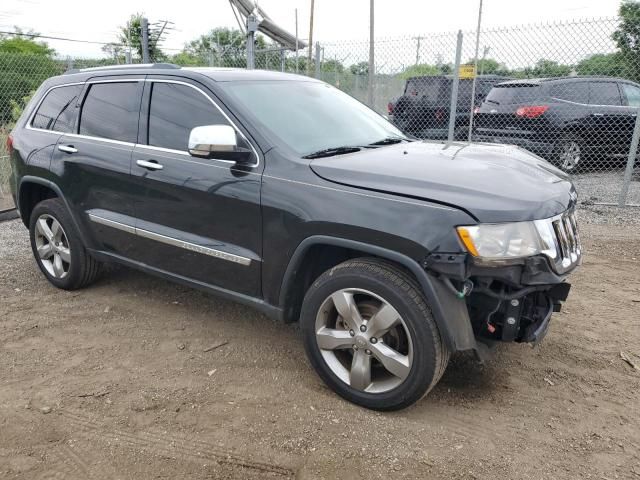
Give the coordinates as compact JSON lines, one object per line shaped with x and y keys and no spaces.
{"x":370,"y":335}
{"x":57,"y":247}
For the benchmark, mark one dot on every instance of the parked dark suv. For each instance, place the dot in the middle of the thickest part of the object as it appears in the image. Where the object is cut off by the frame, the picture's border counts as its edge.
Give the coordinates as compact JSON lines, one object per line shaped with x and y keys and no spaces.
{"x":423,"y":110}
{"x":570,"y":121}
{"x":283,"y":193}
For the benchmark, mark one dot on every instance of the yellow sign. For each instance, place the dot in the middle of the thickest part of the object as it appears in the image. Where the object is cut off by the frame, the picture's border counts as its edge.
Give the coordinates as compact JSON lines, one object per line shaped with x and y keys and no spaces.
{"x":467,"y":71}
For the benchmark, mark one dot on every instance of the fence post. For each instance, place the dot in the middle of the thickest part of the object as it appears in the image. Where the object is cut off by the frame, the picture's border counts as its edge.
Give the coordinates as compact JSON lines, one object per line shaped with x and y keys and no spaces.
{"x":144,"y":25}
{"x":317,"y":59}
{"x":69,"y":63}
{"x":622,"y":200}
{"x":454,"y":90}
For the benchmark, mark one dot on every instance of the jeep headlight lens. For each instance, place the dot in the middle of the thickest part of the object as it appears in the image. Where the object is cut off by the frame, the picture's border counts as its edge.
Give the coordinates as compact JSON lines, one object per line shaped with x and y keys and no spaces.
{"x":502,"y":241}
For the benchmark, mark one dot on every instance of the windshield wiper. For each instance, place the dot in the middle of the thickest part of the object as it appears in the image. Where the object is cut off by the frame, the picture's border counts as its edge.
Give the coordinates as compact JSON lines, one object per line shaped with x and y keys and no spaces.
{"x":388,"y":141}
{"x":330,"y":152}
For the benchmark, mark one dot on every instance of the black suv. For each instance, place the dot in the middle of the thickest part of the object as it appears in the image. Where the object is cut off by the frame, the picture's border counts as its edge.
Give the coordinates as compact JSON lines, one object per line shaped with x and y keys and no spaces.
{"x":569,"y":121}
{"x":423,"y":110}
{"x":286,"y":194}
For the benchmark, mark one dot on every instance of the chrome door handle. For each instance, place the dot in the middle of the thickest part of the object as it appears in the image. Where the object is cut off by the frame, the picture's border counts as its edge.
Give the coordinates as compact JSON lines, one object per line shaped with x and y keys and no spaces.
{"x":149,"y":165}
{"x":67,"y":149}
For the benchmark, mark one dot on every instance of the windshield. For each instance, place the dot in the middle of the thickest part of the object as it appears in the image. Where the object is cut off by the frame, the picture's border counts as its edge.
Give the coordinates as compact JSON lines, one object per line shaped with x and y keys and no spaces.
{"x":311,"y":116}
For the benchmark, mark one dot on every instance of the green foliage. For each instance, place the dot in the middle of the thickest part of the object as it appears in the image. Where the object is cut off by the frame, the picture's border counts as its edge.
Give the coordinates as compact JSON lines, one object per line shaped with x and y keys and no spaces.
{"x":627,"y":38}
{"x":609,"y":64}
{"x":24,"y":65}
{"x":548,"y":68}
{"x":227,"y":47}
{"x":419,"y":70}
{"x":361,"y":68}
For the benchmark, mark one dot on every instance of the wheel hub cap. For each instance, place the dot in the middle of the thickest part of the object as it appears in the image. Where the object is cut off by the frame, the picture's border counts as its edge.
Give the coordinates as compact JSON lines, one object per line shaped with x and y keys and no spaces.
{"x":52,"y":246}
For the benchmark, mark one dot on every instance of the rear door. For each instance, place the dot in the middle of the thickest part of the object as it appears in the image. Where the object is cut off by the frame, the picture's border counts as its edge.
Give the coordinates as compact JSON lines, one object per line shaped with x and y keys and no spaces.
{"x":94,"y":162}
{"x":608,"y":130}
{"x":199,"y":218}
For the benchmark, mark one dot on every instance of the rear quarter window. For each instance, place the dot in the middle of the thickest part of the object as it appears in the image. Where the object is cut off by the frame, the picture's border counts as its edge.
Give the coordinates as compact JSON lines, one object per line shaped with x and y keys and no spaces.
{"x":576,"y":92}
{"x":513,"y":94}
{"x":57,"y":110}
{"x":428,"y":89}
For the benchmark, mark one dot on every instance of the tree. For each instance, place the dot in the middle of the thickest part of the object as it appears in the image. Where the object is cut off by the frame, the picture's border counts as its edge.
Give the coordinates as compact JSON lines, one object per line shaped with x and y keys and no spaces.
{"x":226,"y":47}
{"x":609,"y":64}
{"x":490,"y":66}
{"x":361,"y":68}
{"x":419,"y":70}
{"x":548,"y":68}
{"x":24,"y":64}
{"x":627,"y":37}
{"x":130,"y":36}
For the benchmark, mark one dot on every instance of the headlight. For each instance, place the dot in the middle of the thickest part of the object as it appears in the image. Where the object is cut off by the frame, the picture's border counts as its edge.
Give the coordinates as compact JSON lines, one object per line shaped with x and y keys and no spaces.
{"x":503,"y":241}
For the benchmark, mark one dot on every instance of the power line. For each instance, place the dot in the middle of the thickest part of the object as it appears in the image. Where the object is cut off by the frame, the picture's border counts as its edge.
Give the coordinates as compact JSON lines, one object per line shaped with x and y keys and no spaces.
{"x":36,"y":35}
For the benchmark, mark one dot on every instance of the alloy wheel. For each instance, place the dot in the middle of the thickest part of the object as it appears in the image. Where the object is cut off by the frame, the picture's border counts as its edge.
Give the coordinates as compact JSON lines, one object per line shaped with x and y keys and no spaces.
{"x":52,"y":246}
{"x":570,"y":156}
{"x":364,"y":340}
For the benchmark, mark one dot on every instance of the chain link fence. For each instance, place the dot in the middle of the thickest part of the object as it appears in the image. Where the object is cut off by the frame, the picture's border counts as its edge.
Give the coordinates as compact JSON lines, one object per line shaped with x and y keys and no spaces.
{"x":565,"y":91}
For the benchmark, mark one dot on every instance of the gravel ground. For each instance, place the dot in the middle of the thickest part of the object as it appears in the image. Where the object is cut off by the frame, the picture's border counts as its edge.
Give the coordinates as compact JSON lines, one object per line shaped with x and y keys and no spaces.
{"x":595,"y":187}
{"x":114,"y":382}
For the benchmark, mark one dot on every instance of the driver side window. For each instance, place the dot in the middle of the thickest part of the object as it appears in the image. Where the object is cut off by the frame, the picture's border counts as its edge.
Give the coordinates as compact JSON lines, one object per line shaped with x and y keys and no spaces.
{"x":632,"y":93}
{"x":175,"y":109}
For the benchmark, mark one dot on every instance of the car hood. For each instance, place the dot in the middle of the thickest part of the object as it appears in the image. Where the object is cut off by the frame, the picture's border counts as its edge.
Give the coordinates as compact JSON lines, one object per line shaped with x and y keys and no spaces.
{"x":493,"y":183}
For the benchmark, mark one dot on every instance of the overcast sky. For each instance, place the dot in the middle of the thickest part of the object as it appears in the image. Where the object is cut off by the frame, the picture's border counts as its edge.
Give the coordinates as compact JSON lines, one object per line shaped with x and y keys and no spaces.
{"x":334,"y":19}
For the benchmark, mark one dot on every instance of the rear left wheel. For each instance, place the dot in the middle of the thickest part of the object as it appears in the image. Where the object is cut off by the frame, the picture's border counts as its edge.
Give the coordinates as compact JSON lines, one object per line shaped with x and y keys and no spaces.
{"x":370,"y":335}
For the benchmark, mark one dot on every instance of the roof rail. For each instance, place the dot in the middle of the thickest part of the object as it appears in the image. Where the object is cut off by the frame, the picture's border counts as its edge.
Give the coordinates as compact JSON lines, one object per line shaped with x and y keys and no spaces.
{"x":127,"y":66}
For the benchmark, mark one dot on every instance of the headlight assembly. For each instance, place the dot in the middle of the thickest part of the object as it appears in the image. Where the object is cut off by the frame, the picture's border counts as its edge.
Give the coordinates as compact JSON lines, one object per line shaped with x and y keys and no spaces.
{"x":502,"y":241}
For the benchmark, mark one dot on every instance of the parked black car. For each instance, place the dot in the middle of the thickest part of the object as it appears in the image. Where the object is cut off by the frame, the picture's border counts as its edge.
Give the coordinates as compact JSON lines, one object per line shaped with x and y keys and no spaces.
{"x":571,"y":121}
{"x":283,"y":193}
{"x":423,"y":110}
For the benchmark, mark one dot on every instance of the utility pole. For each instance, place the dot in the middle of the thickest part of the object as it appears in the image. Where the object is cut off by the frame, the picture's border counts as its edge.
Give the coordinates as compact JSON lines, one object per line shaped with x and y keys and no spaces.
{"x":372,"y":65}
{"x":144,"y":25}
{"x":310,"y":38}
{"x":485,"y":52}
{"x":297,"y":48}
{"x":418,"y":39}
{"x":475,"y":74}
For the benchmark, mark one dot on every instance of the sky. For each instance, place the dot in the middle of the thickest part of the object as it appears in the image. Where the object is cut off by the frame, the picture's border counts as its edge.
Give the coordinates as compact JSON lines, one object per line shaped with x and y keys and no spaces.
{"x":333,"y":19}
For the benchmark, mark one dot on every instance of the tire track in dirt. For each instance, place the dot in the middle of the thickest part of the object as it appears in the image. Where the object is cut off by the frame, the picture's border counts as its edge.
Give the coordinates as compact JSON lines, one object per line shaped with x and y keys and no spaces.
{"x":171,"y":445}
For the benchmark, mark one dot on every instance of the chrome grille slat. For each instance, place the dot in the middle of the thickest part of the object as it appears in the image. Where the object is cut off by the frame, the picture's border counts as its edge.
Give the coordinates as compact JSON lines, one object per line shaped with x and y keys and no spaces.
{"x":567,"y":241}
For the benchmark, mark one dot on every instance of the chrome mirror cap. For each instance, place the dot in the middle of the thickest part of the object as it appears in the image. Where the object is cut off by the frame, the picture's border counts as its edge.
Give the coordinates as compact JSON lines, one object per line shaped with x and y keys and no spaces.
{"x":210,"y":139}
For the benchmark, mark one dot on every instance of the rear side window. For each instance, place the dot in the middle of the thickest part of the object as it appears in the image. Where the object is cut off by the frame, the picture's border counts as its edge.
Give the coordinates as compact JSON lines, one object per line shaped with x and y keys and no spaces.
{"x":175,"y":109}
{"x":426,"y":88}
{"x":604,"y":93}
{"x":512,"y":94}
{"x":56,"y":111}
{"x":111,"y":111}
{"x":632,"y":94}
{"x":577,"y":92}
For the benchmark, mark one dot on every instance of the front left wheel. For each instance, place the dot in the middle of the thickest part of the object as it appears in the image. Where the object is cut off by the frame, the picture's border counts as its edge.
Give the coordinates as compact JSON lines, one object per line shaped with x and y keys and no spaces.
{"x":57,"y":247}
{"x":370,"y":335}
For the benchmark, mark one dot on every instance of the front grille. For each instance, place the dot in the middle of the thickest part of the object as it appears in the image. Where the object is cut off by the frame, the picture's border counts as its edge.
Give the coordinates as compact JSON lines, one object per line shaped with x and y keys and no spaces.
{"x":561,"y":239}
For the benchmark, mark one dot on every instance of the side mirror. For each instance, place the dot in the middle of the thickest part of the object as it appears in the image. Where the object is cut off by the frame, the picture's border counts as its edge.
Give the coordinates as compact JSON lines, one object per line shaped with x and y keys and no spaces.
{"x":217,"y":141}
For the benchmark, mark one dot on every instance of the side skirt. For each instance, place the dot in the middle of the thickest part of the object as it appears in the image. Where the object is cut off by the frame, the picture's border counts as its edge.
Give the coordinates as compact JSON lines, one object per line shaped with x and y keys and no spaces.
{"x":267,"y":309}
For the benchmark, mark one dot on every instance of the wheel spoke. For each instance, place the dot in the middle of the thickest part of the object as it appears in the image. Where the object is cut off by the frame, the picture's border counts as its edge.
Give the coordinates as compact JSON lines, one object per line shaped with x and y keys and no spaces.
{"x":65,"y":254}
{"x":56,"y":230}
{"x":347,"y":309}
{"x":44,"y":229}
{"x":58,"y":269}
{"x":393,"y":361}
{"x":333,"y":339}
{"x":384,"y":319}
{"x":45,"y":251}
{"x":360,"y":376}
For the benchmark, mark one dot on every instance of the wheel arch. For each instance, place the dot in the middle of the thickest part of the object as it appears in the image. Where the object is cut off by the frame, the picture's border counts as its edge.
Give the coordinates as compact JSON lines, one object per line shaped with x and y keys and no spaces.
{"x":450,"y":313}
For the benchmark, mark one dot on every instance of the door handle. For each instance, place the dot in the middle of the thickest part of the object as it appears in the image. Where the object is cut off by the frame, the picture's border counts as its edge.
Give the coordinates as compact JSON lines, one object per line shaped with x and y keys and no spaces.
{"x":149,"y":165}
{"x":67,"y":148}
{"x":598,"y":114}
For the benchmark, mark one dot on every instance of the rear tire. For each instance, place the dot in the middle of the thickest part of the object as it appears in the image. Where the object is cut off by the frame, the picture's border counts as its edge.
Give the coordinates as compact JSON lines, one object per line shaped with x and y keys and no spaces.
{"x":378,"y":368}
{"x":569,"y":153}
{"x":57,"y":247}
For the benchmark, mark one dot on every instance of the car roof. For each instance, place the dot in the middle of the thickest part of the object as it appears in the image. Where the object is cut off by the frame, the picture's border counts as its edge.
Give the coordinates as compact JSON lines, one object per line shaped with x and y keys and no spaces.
{"x":566,"y":79}
{"x":451,"y":77}
{"x":216,"y":74}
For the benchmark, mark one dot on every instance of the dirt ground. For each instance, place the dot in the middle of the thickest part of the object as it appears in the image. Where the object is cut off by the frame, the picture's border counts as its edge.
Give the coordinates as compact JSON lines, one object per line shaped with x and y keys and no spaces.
{"x":113,"y":382}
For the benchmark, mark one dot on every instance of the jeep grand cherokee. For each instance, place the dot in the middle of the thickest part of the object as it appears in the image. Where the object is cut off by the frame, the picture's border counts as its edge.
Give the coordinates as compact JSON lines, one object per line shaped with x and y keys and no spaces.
{"x":283,"y":193}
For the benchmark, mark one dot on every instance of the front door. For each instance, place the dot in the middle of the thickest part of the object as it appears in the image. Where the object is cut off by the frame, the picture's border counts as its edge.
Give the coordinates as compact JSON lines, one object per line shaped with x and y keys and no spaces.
{"x":199,"y":218}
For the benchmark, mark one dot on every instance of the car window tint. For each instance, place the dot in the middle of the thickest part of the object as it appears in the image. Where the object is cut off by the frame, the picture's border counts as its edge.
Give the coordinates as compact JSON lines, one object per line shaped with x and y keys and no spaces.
{"x":56,"y":112}
{"x":632,"y":94}
{"x":426,"y":88}
{"x":110,"y":110}
{"x":604,"y":93}
{"x":176,"y":109}
{"x":577,"y":92}
{"x":512,"y":93}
